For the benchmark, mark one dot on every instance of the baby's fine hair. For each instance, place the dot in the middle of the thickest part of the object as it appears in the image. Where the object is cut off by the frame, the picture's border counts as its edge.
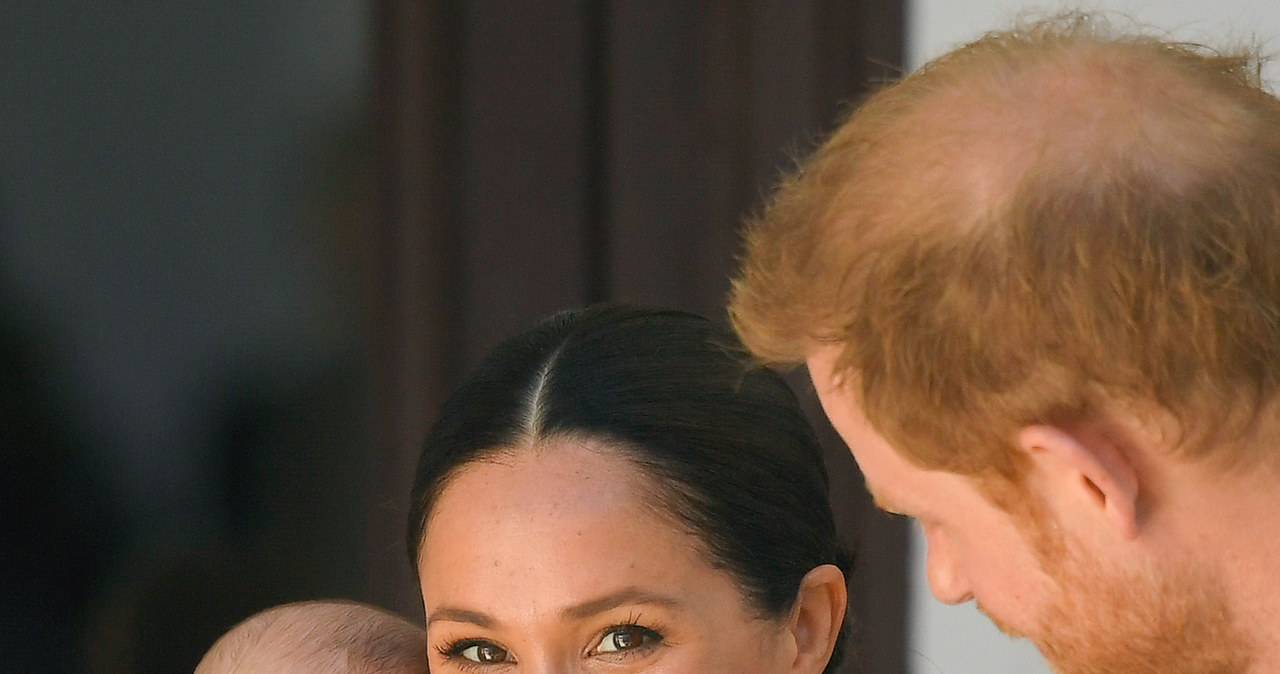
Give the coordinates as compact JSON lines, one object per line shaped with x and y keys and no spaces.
{"x":319,"y":637}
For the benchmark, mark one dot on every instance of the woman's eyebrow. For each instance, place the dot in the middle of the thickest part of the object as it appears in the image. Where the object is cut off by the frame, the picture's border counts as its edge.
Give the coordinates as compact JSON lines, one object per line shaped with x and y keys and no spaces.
{"x":629,"y":595}
{"x":461,"y":615}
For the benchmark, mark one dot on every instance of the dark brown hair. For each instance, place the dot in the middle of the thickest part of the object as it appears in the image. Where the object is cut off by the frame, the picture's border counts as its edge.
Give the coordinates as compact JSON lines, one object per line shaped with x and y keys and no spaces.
{"x":728,"y":450}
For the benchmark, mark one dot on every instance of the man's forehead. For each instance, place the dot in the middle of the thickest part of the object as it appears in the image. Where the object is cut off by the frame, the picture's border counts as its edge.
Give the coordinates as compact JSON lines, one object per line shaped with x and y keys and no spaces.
{"x":845,"y":414}
{"x":885,"y":493}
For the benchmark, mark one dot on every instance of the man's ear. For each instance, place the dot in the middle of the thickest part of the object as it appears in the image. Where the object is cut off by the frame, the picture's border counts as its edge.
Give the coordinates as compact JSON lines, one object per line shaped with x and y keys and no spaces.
{"x":1091,"y":470}
{"x":816,"y":619}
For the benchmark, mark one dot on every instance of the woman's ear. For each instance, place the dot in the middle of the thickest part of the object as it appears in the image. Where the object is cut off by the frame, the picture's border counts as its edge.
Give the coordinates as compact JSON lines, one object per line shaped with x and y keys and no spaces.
{"x":1089,"y":472}
{"x":816,"y":619}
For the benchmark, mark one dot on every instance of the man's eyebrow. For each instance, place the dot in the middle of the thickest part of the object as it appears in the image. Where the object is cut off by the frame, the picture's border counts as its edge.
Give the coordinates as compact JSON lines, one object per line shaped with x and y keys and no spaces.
{"x":461,"y":615}
{"x":629,"y":595}
{"x":884,"y":503}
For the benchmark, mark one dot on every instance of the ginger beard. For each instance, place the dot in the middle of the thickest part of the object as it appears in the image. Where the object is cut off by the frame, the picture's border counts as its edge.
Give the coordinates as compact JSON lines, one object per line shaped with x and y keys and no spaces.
{"x":1162,"y":619}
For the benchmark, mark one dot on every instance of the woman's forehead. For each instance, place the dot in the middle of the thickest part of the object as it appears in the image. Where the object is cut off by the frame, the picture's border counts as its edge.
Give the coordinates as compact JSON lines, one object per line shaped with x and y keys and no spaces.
{"x":564,"y":520}
{"x":567,"y":475}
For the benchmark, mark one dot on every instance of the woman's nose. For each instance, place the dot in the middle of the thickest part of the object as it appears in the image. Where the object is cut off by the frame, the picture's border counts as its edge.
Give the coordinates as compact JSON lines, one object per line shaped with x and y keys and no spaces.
{"x":551,"y":664}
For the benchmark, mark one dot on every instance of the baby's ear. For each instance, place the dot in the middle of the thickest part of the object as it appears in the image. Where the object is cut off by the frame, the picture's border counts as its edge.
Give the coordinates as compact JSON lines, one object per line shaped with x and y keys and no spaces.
{"x":816,"y":618}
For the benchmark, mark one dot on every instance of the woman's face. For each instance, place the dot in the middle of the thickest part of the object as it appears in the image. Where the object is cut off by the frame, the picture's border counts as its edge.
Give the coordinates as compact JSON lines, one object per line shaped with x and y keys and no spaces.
{"x":552,"y":559}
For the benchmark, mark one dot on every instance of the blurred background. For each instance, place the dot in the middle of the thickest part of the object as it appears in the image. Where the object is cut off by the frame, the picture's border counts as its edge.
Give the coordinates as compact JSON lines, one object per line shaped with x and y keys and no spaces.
{"x":186,"y":194}
{"x":246,"y":247}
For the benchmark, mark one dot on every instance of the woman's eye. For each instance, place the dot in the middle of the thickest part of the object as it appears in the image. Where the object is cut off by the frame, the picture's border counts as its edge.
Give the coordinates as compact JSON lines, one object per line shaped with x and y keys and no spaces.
{"x":483,"y":652}
{"x":627,"y":638}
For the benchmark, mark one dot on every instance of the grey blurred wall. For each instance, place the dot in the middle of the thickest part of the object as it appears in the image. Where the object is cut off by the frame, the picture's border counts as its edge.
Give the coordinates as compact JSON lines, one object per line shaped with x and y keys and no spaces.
{"x":167,"y":171}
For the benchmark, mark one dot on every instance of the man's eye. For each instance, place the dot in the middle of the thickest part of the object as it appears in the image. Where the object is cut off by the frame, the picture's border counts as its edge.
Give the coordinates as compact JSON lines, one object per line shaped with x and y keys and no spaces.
{"x":627,"y":638}
{"x":482,"y":652}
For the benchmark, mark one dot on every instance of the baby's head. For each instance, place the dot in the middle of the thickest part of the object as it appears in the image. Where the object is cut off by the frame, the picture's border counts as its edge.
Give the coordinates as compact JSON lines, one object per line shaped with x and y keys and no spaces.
{"x":319,"y":637}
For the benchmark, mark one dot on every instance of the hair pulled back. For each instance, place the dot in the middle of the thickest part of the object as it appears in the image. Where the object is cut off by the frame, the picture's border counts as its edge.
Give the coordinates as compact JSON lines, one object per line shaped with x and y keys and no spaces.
{"x":723,"y":441}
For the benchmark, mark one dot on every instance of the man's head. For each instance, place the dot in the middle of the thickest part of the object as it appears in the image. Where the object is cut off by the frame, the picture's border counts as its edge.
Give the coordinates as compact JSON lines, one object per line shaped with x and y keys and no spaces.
{"x":1053,"y":252}
{"x":1055,"y":558}
{"x":320,"y":637}
{"x":1040,"y":221}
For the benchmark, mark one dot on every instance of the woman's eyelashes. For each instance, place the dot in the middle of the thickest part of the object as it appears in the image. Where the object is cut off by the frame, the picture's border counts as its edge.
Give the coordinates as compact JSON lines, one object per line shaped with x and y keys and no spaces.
{"x":628,"y":639}
{"x":470,"y":653}
{"x":621,"y":641}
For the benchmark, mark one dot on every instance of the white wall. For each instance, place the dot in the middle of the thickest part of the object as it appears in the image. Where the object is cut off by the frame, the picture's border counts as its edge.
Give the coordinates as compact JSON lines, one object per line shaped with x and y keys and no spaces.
{"x":959,"y":640}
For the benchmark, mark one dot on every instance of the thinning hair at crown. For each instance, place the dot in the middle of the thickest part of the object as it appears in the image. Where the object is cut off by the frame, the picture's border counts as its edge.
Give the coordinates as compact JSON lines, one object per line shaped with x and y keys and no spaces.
{"x":1052,"y":214}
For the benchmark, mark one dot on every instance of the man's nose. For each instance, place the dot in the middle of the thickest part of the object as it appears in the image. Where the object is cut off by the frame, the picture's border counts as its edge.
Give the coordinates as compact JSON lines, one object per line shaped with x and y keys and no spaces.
{"x":945,"y":570}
